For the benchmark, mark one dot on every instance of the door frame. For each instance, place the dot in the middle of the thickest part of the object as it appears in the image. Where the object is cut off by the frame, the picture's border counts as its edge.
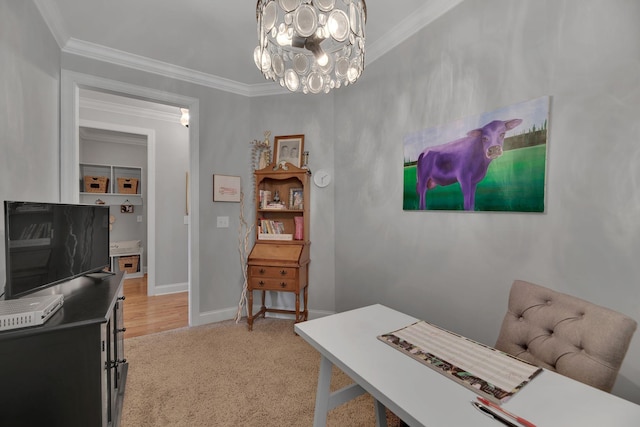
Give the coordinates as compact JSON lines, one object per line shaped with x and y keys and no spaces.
{"x":70,"y":84}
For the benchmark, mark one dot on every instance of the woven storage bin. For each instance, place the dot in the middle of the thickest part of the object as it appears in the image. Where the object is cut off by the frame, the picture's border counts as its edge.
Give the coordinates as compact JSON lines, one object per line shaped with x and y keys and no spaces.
{"x":129,"y":264}
{"x":128,"y":185}
{"x":95,"y":184}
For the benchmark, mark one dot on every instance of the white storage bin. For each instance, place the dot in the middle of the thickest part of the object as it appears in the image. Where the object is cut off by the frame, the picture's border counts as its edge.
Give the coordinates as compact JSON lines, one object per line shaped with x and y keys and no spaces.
{"x":124,"y":247}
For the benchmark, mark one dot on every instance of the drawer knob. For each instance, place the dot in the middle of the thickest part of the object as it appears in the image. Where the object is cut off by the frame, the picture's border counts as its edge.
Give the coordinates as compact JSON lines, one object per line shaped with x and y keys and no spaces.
{"x":261,"y":271}
{"x":283,"y":272}
{"x":283,"y":285}
{"x":260,"y":283}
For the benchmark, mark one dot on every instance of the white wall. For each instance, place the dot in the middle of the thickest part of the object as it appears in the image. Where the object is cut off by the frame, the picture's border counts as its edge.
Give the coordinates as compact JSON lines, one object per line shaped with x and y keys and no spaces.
{"x":455,"y":268}
{"x":29,"y":108}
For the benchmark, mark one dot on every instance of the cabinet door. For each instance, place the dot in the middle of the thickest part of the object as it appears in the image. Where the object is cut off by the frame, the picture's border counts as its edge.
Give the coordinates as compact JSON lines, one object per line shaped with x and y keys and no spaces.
{"x":118,"y":340}
{"x":105,"y":357}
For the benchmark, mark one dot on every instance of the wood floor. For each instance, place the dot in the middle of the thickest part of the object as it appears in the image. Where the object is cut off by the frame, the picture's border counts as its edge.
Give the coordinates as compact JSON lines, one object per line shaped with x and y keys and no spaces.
{"x":145,"y":315}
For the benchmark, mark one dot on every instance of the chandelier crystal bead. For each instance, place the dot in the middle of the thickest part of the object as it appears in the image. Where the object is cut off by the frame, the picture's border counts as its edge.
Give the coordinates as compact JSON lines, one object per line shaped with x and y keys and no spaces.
{"x":311,"y":46}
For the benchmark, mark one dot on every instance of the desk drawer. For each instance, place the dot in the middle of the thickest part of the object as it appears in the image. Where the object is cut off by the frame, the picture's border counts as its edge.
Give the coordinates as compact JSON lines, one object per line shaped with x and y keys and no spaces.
{"x":267,"y":284}
{"x":289,"y":273}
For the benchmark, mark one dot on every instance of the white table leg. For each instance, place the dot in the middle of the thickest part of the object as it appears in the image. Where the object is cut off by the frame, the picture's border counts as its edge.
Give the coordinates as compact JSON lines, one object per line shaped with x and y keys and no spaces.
{"x":326,"y":401}
{"x":322,"y":393}
{"x":381,"y":414}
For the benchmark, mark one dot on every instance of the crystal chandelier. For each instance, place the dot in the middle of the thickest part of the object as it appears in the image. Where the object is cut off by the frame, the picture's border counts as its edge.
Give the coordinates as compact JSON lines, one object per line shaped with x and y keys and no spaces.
{"x":311,"y":46}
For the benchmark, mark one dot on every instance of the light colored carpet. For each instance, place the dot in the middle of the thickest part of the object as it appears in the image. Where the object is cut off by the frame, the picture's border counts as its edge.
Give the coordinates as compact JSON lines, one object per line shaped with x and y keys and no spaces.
{"x":223,"y":375}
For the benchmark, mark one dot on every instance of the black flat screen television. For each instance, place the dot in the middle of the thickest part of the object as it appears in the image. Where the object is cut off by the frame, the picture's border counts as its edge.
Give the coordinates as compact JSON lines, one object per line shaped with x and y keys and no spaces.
{"x":49,"y":243}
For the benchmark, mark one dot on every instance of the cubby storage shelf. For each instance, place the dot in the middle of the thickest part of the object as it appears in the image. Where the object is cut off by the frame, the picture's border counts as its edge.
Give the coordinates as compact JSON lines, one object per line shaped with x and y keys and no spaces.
{"x":114,"y":258}
{"x":123,"y":183}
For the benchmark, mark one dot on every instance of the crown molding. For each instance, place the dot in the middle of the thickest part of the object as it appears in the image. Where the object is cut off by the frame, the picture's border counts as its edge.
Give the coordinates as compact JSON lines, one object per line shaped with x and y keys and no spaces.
{"x":422,"y":17}
{"x":141,"y":63}
{"x":128,"y":110}
{"x":113,"y":138}
{"x":270,"y":88}
{"x":425,"y":15}
{"x":54,"y":21}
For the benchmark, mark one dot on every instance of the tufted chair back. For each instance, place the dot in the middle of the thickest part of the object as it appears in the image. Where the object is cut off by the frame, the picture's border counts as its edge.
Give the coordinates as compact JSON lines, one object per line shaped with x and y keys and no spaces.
{"x":565,"y":334}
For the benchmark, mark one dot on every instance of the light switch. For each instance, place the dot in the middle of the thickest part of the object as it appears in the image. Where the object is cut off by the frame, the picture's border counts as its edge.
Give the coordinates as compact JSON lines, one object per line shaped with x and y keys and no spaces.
{"x":139,"y":218}
{"x":223,"y":222}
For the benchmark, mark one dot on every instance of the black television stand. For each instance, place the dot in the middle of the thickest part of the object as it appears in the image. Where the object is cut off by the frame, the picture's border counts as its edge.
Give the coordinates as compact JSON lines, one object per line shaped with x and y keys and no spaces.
{"x":99,"y":275}
{"x":71,"y":371}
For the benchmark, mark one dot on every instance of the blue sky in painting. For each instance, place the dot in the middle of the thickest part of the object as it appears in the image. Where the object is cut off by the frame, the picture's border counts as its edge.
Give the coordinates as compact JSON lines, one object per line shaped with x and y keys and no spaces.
{"x":533,"y":112}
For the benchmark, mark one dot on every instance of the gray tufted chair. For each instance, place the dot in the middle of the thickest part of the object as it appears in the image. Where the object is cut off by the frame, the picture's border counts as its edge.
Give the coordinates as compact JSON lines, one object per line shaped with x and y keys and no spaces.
{"x":565,"y":334}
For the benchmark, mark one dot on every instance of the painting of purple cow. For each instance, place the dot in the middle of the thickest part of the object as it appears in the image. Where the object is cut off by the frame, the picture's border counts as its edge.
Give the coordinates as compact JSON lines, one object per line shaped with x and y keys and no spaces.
{"x":464,"y":160}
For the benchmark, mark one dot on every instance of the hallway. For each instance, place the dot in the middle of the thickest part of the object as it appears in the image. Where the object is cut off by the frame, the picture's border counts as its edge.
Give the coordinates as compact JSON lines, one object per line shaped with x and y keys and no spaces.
{"x":144,"y":315}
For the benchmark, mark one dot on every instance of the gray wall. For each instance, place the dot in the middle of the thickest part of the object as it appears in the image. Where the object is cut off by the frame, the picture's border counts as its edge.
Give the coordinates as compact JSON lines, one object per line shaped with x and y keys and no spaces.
{"x":29,"y":108}
{"x":171,"y":165}
{"x":313,"y":117}
{"x":455,"y":268}
{"x":224,"y":149}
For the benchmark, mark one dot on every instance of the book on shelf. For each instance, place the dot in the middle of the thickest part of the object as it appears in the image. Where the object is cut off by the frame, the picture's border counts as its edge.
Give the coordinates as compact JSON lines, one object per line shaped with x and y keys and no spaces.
{"x":265,"y":198}
{"x":267,"y":226}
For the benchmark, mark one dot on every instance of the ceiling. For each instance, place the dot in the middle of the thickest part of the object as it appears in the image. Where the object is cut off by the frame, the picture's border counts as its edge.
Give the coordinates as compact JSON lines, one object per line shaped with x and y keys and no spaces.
{"x":209,"y":42}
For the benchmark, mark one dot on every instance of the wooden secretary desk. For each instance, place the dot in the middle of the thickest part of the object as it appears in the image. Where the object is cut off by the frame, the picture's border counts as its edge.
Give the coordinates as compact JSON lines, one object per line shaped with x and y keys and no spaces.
{"x":279,"y":259}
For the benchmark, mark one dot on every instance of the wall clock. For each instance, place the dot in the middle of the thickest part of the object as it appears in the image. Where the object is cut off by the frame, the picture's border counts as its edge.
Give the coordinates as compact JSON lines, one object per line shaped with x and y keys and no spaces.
{"x":322,"y":178}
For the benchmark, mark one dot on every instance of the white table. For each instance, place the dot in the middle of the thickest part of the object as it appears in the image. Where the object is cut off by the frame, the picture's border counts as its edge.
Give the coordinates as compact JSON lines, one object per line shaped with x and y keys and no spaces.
{"x":423,"y":397}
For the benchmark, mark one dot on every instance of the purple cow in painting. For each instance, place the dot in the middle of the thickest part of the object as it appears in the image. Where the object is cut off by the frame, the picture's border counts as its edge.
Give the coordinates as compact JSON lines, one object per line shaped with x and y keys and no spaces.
{"x":464,"y":160}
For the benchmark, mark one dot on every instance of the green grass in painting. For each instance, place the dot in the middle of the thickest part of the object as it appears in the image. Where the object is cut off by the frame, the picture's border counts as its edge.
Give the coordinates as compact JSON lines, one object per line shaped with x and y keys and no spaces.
{"x":514,"y":183}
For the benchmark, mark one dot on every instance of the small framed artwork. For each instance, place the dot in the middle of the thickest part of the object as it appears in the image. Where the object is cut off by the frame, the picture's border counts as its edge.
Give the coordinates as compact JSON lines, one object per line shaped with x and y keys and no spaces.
{"x":226,"y":188}
{"x":296,"y":198}
{"x":289,"y":149}
{"x":126,"y":207}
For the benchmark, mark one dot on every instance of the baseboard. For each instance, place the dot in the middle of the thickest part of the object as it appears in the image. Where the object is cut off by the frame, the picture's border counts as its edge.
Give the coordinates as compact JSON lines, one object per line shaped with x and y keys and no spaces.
{"x":217,"y":316}
{"x":171,"y":288}
{"x":313,"y":314}
{"x":230,"y":313}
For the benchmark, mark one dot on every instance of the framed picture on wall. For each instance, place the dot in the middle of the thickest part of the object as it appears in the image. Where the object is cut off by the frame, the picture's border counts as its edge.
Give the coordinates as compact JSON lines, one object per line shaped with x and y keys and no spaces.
{"x":226,"y":188}
{"x":444,"y":169}
{"x":289,"y":149}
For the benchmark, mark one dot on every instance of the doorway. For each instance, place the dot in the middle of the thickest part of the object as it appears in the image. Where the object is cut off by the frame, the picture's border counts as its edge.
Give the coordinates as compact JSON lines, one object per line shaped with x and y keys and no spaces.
{"x":121,"y":157}
{"x":71,"y":84}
